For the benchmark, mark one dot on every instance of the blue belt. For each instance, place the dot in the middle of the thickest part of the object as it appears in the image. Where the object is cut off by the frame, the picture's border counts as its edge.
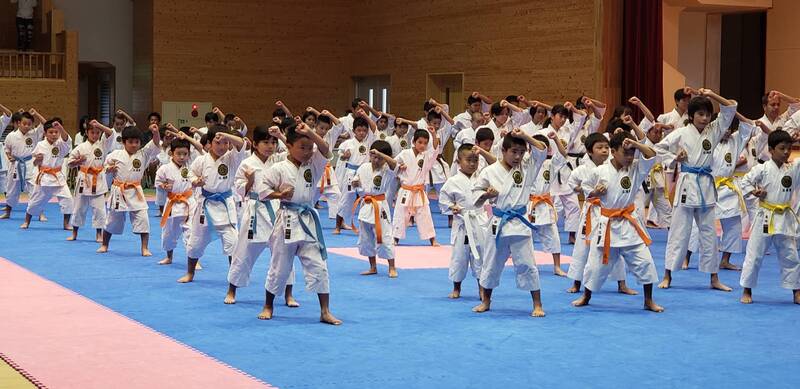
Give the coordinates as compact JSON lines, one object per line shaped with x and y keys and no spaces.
{"x":351,"y":166}
{"x":301,"y":210}
{"x":254,"y":207}
{"x":22,"y":171}
{"x":506,"y":216}
{"x":220,"y":197}
{"x":698,"y":171}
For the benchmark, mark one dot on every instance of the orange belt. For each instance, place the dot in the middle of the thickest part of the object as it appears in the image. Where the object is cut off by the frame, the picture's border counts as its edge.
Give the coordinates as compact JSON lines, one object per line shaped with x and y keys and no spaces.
{"x":172,"y":199}
{"x":122,"y":185}
{"x":374,"y":199}
{"x":326,"y":178}
{"x":53,"y":171}
{"x":94,"y":172}
{"x":620,"y":213}
{"x":416,"y":191}
{"x":543,"y":198}
{"x":592,"y":202}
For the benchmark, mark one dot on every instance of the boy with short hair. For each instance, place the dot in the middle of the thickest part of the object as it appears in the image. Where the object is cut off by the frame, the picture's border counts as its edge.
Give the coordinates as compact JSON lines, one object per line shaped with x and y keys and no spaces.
{"x":375,"y":223}
{"x":126,"y":197}
{"x":619,"y":233}
{"x":91,"y":185}
{"x":299,"y":233}
{"x":774,"y":222}
{"x":19,"y":146}
{"x":48,"y":157}
{"x":508,"y":183}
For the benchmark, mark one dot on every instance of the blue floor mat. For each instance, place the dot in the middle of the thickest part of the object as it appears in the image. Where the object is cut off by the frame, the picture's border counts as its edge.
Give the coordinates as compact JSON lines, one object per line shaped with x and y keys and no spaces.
{"x":405,"y":332}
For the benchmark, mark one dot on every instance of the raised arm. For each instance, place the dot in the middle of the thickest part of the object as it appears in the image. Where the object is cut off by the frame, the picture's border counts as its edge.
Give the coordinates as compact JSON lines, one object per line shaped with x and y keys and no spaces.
{"x":156,"y":135}
{"x":389,"y":160}
{"x":283,"y":108}
{"x":372,"y":125}
{"x":489,"y":157}
{"x":37,"y":117}
{"x":627,"y":119}
{"x":322,"y":146}
{"x":445,"y":115}
{"x":128,"y":118}
{"x":5,"y":110}
{"x":107,"y":131}
{"x":646,"y":111}
{"x":62,"y":132}
{"x":333,"y":117}
{"x":517,"y":133}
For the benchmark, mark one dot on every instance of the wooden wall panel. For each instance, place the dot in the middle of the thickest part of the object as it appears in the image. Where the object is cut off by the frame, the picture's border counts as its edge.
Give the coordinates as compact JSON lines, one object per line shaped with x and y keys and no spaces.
{"x":538,"y":48}
{"x":242,"y":55}
{"x":142,"y":99}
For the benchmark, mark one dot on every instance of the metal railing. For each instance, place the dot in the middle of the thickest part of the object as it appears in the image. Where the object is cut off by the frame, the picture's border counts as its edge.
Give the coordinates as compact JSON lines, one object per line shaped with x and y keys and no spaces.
{"x":28,"y":64}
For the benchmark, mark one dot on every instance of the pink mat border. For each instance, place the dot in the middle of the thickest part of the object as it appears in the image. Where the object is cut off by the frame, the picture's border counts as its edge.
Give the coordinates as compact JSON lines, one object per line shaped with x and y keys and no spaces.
{"x":26,"y":364}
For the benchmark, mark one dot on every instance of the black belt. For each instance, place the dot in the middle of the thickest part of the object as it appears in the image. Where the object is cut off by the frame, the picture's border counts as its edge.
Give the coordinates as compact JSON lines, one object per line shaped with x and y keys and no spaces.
{"x":576,"y":155}
{"x":761,"y":161}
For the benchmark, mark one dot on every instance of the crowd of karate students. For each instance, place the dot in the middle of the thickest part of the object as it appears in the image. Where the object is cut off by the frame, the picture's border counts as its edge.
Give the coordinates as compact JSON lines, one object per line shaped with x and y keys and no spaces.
{"x":520,"y":169}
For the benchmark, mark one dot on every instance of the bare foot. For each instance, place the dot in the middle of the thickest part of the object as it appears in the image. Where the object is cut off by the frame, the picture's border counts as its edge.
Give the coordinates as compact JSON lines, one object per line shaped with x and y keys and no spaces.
{"x":626,"y":290}
{"x":198,"y":267}
{"x":102,"y":249}
{"x":746,"y":299}
{"x":328,"y":318}
{"x":392,"y":273}
{"x":230,"y":297}
{"x":5,"y":215}
{"x":70,"y":238}
{"x":557,"y":271}
{"x":291,"y":302}
{"x":718,"y":285}
{"x":266,"y":313}
{"x":685,"y":265}
{"x":650,"y":224}
{"x":188,"y":277}
{"x":575,"y":288}
{"x":435,"y":244}
{"x":652,"y":306}
{"x":369,"y":272}
{"x":98,"y":238}
{"x":454,"y":294}
{"x":796,"y":295}
{"x":729,"y":266}
{"x":67,"y":228}
{"x":24,"y":226}
{"x":146,"y":253}
{"x":337,"y":231}
{"x":537,"y":312}
{"x":42,"y":218}
{"x":480,"y":308}
{"x":165,"y":261}
{"x":581,"y":302}
{"x":664,"y":284}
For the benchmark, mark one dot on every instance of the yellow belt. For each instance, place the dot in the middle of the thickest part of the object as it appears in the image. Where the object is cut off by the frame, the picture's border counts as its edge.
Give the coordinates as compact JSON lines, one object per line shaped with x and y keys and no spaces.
{"x":659,"y":168}
{"x":773,"y":209}
{"x":728,"y":181}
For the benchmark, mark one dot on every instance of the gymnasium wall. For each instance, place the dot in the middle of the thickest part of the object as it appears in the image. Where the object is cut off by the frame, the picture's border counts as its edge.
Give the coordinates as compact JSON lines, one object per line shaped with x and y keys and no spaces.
{"x":241,"y":55}
{"x":783,"y":47}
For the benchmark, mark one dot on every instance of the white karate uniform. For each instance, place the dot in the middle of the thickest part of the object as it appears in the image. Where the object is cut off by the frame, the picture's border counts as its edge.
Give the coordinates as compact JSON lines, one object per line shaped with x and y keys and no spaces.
{"x":567,"y":200}
{"x":440,"y":171}
{"x":328,"y":182}
{"x":257,"y":219}
{"x":359,"y":155}
{"x":4,"y":163}
{"x":22,"y":172}
{"x":730,"y":202}
{"x":654,"y":193}
{"x":543,"y":216}
{"x":48,"y":185}
{"x":210,"y":215}
{"x":695,"y":194}
{"x":468,"y":234}
{"x":289,"y":239}
{"x":177,"y":222}
{"x":398,"y":144}
{"x":414,"y":203}
{"x":131,"y":200}
{"x":374,"y":183}
{"x":90,"y":188}
{"x":514,"y":238}
{"x":161,"y":194}
{"x":777,"y":228}
{"x":624,"y":241}
{"x":579,"y":178}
